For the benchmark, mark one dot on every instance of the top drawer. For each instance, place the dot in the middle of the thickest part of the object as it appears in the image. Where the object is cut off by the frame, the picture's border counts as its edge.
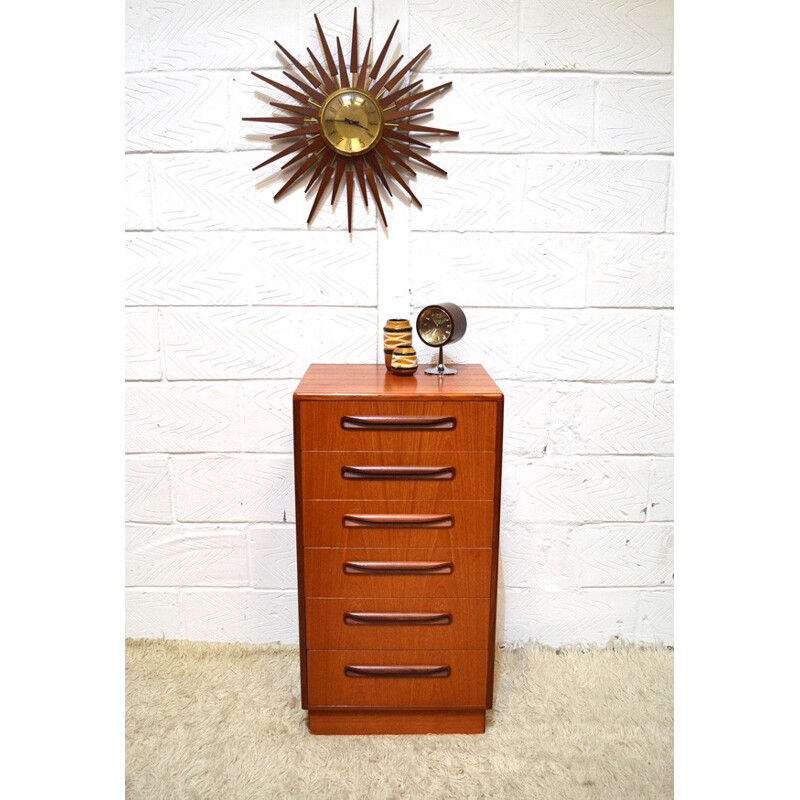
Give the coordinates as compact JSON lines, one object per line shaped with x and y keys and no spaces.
{"x":387,"y":425}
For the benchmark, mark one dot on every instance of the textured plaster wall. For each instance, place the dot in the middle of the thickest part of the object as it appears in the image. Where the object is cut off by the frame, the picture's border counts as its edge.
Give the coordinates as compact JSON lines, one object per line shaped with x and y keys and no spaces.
{"x":553,"y":230}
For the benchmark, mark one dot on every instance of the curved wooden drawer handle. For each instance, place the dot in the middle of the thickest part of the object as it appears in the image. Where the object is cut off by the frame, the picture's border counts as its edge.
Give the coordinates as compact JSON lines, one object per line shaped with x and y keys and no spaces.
{"x":399,"y":473}
{"x":398,"y":567}
{"x":397,"y":618}
{"x":387,"y":671}
{"x":399,"y":423}
{"x":398,"y":520}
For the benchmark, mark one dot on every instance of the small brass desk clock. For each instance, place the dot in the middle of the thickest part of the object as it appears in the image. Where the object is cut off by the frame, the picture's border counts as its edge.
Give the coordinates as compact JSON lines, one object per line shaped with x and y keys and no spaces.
{"x":444,"y":323}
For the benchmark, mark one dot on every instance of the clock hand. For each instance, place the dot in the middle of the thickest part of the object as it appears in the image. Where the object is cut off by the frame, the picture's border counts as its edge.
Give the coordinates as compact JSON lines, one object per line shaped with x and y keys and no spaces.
{"x":358,"y":125}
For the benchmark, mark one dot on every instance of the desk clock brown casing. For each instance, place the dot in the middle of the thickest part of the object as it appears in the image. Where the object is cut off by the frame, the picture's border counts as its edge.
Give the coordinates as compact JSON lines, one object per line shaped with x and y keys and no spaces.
{"x":397,"y":486}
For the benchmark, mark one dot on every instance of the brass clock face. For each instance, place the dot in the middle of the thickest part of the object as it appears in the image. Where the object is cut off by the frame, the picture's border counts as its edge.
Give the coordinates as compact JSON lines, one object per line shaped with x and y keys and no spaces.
{"x":434,"y":326}
{"x":351,"y":122}
{"x":352,"y":126}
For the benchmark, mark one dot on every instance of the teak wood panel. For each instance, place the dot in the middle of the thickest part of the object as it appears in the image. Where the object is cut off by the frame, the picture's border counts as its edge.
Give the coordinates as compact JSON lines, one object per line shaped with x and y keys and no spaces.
{"x":395,"y":624}
{"x":383,"y":572}
{"x":459,"y":681}
{"x":410,"y":523}
{"x":372,"y":381}
{"x":384,"y":425}
{"x":393,"y":721}
{"x":416,"y":476}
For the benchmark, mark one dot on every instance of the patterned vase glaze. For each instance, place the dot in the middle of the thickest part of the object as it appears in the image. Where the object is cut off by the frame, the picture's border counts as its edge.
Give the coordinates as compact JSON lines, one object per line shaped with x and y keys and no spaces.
{"x":404,"y":360}
{"x":396,"y":333}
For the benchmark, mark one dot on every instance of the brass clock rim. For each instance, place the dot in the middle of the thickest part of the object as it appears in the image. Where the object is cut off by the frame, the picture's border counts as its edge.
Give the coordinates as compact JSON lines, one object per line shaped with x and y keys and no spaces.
{"x":333,"y":96}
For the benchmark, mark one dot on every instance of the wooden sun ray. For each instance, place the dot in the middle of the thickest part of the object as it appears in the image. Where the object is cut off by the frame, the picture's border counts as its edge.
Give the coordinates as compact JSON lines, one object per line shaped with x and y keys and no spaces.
{"x":307,"y":111}
{"x":316,"y":157}
{"x":349,"y":184}
{"x":318,"y":97}
{"x":323,"y":163}
{"x":354,"y":44}
{"x":412,"y":126}
{"x":390,"y":84}
{"x":337,"y":179}
{"x":305,"y":131}
{"x":343,"y":79}
{"x":361,"y":81}
{"x":304,"y":167}
{"x":376,"y":67}
{"x":285,"y":119}
{"x":312,"y":79}
{"x":359,"y":166}
{"x":328,"y":82}
{"x":315,"y":146}
{"x":285,"y":89}
{"x":419,"y":95}
{"x":325,"y":49}
{"x":402,"y":137}
{"x":323,"y":185}
{"x":398,"y":177}
{"x":387,"y":101}
{"x":386,"y":151}
{"x":372,"y":160}
{"x":285,"y":152}
{"x":377,"y":87}
{"x":375,"y":193}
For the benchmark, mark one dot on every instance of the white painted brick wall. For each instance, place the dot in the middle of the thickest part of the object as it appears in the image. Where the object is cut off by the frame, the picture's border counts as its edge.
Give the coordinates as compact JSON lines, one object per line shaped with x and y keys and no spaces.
{"x":553,"y":229}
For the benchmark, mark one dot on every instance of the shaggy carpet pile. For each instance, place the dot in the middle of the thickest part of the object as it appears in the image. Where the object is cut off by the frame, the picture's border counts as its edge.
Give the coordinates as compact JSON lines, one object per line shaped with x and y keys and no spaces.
{"x":223,"y":721}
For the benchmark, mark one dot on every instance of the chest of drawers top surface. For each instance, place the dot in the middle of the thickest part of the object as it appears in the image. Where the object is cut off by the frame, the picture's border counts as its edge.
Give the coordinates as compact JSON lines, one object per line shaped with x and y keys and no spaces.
{"x":375,"y":382}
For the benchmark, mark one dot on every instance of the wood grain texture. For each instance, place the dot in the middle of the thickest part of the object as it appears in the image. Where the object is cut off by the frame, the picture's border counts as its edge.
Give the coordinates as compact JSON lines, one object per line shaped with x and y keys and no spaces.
{"x":372,"y":381}
{"x":327,"y":629}
{"x":474,"y":426}
{"x":394,"y":722}
{"x":465,"y":685}
{"x":469,"y":576}
{"x":325,"y":524}
{"x":472,"y":476}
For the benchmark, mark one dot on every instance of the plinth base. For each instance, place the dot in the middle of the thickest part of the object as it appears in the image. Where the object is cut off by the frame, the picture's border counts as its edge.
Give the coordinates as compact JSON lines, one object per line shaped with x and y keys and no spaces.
{"x":375,"y":722}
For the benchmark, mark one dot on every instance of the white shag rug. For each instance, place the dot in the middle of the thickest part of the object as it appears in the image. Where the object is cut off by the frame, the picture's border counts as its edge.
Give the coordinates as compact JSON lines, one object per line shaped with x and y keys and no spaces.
{"x":218,"y":721}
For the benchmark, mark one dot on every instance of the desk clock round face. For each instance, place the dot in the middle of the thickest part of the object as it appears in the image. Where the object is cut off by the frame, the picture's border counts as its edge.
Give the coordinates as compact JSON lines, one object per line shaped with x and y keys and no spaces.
{"x":441,"y":324}
{"x":434,"y":326}
{"x":351,"y":122}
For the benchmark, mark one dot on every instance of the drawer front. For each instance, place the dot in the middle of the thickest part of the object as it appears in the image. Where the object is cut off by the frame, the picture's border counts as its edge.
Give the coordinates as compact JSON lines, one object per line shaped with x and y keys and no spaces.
{"x":397,"y":476}
{"x":387,"y":425}
{"x":360,"y":523}
{"x":383,"y":572}
{"x":391,"y":678}
{"x":384,"y":624}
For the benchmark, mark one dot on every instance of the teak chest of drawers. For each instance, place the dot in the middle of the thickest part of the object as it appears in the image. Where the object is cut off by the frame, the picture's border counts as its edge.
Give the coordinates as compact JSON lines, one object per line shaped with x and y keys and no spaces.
{"x":397,"y":486}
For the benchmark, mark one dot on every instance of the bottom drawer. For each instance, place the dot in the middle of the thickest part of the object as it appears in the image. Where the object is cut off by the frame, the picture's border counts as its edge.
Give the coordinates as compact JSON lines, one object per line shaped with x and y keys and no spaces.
{"x":397,"y":678}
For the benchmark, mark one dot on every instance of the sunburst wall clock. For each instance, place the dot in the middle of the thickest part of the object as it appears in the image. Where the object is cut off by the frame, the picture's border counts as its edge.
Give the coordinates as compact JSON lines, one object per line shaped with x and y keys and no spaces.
{"x":352,"y":126}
